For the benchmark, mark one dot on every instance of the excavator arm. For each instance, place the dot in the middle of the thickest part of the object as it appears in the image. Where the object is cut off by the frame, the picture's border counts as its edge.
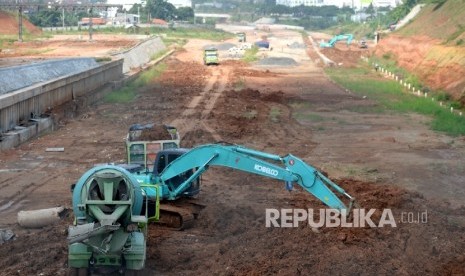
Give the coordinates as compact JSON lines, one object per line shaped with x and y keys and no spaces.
{"x":335,"y":39}
{"x":289,"y":169}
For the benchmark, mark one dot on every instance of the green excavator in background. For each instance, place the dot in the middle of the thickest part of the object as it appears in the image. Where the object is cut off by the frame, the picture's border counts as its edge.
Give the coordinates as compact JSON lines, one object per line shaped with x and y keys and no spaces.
{"x":335,"y":39}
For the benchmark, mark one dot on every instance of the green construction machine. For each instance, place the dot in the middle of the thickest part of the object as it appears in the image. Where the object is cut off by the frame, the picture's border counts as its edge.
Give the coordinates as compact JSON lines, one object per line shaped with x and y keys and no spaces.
{"x":144,"y":141}
{"x":113,"y":204}
{"x":210,"y":56}
{"x":109,"y":234}
{"x":241,"y":37}
{"x":335,"y":39}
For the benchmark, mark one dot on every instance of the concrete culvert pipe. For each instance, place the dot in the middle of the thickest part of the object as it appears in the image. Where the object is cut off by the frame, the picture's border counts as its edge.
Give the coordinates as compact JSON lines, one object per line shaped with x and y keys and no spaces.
{"x":39,"y":218}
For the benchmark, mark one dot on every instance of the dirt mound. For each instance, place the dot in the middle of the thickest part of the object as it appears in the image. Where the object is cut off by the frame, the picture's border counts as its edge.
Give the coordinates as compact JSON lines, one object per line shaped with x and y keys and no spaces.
{"x":190,"y":80}
{"x":196,"y":137}
{"x":10,"y":25}
{"x":343,"y":56}
{"x":149,"y":132}
{"x":241,"y":120}
{"x":246,"y":72}
{"x":248,"y":115}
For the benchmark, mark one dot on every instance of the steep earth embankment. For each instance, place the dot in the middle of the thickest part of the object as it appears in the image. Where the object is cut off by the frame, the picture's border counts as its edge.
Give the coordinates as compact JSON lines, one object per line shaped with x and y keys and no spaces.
{"x":433,"y":47}
{"x":9,"y":25}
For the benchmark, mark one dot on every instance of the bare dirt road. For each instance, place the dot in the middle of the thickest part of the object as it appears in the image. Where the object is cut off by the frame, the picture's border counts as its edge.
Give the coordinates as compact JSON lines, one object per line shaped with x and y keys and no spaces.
{"x":385,"y":161}
{"x":60,"y":46}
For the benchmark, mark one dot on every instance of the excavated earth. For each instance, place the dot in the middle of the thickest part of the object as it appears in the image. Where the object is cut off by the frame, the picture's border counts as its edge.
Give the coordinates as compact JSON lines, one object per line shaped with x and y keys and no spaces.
{"x":266,"y":109}
{"x":440,"y":67}
{"x":9,"y":24}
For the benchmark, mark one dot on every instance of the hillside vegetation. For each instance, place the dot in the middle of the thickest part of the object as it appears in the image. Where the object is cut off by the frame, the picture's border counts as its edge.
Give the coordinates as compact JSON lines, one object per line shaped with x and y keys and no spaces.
{"x":444,"y":21}
{"x":431,"y":47}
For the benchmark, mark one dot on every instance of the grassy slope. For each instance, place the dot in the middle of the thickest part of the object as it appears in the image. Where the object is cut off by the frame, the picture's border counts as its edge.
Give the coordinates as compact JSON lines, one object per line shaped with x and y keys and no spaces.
{"x":445,"y":22}
{"x":391,"y":96}
{"x":129,"y":92}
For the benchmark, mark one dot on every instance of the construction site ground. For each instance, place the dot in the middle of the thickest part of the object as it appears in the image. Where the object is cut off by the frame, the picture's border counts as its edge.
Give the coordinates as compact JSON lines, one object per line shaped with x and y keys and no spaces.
{"x":384,"y":160}
{"x":60,"y":46}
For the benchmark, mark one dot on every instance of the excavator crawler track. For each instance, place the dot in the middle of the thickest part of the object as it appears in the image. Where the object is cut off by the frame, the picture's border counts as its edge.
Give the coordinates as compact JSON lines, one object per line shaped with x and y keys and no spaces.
{"x":179,"y":215}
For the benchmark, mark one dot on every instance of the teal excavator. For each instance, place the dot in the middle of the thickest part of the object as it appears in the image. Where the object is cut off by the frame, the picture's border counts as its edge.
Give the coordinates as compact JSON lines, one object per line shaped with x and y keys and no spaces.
{"x":113,"y":204}
{"x":335,"y":39}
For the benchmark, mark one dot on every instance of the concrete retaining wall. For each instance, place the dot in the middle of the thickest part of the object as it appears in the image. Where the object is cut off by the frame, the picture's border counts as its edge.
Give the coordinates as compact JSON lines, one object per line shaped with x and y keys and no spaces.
{"x":21,"y":76}
{"x":18,"y":107}
{"x":22,"y":134}
{"x":141,"y":54}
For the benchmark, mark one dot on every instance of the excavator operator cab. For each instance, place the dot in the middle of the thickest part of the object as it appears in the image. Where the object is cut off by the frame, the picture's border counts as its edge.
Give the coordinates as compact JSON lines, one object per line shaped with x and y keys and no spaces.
{"x":163,"y":159}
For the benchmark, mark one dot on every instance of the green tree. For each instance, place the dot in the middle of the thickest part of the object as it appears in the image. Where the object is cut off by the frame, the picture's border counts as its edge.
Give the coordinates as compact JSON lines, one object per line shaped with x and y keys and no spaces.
{"x":280,"y":9}
{"x":370,"y":10}
{"x":184,"y":13}
{"x":266,"y":7}
{"x":47,"y":18}
{"x":161,"y":9}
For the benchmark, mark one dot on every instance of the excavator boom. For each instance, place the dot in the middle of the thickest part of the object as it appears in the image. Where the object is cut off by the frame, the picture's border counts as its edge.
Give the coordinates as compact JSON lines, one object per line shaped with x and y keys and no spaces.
{"x":335,"y":39}
{"x":289,"y":169}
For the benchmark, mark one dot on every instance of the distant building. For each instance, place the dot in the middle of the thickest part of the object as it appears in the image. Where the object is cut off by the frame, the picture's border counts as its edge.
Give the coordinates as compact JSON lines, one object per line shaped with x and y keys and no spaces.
{"x":360,"y":17}
{"x":127,"y":4}
{"x":181,"y":3}
{"x":215,"y":5}
{"x":360,"y":4}
{"x":125,"y":19}
{"x":355,"y":4}
{"x":338,"y":3}
{"x":386,"y":3}
{"x":295,"y":3}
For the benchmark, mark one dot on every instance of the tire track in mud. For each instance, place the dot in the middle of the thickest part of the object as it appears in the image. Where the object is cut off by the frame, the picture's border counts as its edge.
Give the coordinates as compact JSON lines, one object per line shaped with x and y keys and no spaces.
{"x":10,"y":180}
{"x":23,"y":191}
{"x":200,"y":107}
{"x":210,"y":103}
{"x":19,"y":184}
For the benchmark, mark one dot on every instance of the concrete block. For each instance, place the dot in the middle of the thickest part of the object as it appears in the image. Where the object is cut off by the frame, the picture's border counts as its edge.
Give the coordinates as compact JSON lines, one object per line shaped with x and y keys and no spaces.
{"x":44,"y":124}
{"x":9,"y":141}
{"x":27,"y":133}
